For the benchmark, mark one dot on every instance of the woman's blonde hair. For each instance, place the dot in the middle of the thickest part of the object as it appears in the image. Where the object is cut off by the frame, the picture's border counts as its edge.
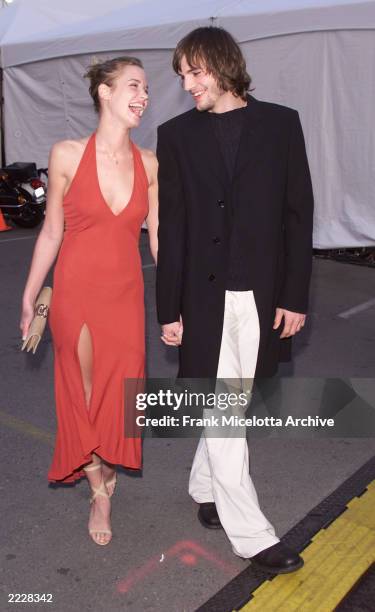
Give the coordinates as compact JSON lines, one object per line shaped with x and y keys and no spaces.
{"x":106,"y":72}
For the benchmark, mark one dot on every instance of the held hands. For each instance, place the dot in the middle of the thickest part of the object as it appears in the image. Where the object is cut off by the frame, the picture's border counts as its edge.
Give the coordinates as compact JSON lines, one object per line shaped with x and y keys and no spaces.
{"x":172,"y":333}
{"x":293,"y":322}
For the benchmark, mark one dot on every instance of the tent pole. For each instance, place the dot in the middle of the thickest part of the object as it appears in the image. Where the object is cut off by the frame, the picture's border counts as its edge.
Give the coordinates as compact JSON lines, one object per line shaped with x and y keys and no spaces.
{"x":2,"y":140}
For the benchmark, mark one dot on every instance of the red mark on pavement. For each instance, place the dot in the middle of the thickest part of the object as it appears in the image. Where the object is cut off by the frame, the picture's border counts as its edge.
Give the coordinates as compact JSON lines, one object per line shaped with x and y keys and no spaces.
{"x":189,"y":553}
{"x":189,"y":559}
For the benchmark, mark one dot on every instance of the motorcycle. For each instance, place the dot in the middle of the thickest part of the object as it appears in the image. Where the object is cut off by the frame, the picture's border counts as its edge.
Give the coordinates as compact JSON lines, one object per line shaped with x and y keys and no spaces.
{"x":23,"y":193}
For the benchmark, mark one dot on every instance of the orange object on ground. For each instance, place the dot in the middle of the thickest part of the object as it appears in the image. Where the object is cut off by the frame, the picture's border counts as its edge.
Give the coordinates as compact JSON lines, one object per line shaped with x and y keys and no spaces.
{"x":98,"y":283}
{"x":3,"y":226}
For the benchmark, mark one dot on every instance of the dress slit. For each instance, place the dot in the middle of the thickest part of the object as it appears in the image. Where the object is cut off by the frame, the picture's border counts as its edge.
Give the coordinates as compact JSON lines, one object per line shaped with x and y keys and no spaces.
{"x":90,"y":359}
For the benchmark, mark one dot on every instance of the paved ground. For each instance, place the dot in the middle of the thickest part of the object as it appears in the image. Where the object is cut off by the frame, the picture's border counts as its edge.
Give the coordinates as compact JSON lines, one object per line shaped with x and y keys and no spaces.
{"x":160,"y":558}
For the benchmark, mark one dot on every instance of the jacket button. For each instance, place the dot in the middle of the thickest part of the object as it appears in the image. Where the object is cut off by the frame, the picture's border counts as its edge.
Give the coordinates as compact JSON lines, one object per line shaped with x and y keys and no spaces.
{"x":221,"y":203}
{"x":216,"y":240}
{"x":211,"y":277}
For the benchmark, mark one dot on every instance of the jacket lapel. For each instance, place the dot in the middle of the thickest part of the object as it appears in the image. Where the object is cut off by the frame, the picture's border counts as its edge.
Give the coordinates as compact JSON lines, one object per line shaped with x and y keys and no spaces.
{"x":252,"y":139}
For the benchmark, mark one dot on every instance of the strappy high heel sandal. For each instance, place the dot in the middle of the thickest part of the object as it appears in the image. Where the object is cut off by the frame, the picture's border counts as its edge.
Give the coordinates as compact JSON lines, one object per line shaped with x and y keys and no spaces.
{"x":111,"y":482}
{"x":101,"y":490}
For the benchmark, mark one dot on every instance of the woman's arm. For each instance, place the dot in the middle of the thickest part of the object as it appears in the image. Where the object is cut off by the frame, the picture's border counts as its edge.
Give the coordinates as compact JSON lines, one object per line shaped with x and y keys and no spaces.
{"x":171,"y":237}
{"x":151,"y":166}
{"x":50,"y":237}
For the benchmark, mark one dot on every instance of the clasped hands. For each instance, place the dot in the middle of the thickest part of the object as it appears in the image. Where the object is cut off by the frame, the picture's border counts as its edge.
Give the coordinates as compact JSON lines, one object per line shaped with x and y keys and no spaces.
{"x":171,"y":333}
{"x":293,"y":323}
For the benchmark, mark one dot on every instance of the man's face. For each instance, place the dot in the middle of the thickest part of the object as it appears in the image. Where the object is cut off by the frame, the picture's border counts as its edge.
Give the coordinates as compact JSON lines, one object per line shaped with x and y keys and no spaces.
{"x":201,"y":85}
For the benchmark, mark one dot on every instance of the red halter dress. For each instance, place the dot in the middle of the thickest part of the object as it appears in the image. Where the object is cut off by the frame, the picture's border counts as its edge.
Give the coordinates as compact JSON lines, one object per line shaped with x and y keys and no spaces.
{"x":98,"y":282}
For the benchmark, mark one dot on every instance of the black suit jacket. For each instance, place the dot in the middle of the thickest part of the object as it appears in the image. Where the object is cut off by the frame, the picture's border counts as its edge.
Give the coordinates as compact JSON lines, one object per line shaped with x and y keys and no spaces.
{"x":271,"y":191}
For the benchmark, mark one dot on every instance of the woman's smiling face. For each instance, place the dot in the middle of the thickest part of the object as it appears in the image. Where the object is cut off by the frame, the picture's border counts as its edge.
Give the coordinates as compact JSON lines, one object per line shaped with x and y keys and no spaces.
{"x":127,"y":98}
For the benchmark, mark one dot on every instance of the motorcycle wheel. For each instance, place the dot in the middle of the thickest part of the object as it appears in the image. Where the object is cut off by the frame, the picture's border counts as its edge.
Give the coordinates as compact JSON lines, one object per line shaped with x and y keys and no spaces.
{"x":30,"y":217}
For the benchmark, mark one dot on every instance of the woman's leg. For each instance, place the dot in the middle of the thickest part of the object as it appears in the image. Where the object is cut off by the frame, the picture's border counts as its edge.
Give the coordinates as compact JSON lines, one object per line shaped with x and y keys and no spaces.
{"x":85,"y":356}
{"x":110,"y":477}
{"x":99,"y":520}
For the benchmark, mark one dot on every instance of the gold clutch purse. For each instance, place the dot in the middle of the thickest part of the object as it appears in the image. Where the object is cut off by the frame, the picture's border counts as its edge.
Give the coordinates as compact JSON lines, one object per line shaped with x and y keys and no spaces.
{"x":39,"y":321}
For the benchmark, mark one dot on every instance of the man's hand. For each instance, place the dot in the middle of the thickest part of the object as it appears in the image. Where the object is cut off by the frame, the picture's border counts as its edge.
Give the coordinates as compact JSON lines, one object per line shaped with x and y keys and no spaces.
{"x":172,"y":333}
{"x":293,"y":322}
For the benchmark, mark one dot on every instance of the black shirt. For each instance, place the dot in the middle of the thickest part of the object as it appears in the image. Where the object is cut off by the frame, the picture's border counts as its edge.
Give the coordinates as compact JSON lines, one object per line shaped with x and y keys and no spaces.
{"x":228,"y":128}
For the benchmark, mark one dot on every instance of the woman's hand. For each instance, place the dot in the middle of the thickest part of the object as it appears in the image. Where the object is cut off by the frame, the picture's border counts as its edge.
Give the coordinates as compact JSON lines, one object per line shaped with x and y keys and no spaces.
{"x":26,"y":318}
{"x":172,"y":333}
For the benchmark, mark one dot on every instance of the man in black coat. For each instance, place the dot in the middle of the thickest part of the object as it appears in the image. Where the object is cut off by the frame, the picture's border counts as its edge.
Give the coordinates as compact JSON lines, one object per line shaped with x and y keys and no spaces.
{"x":234,"y":261}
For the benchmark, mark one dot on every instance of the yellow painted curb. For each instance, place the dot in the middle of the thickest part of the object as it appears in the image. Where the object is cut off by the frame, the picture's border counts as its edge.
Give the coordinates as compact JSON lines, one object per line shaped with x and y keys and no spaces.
{"x":337,"y":557}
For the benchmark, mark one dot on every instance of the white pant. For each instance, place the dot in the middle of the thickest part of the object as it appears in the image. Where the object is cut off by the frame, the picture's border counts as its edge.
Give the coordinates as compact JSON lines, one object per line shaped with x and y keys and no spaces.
{"x":220,"y":471}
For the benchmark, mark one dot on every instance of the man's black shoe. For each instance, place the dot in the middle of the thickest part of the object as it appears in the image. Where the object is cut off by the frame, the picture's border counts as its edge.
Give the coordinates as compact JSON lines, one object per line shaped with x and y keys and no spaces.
{"x":208,"y":516}
{"x":278,"y":559}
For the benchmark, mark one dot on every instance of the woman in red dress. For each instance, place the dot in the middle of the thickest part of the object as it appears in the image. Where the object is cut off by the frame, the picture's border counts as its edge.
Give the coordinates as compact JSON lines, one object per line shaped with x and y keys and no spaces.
{"x":101,"y":189}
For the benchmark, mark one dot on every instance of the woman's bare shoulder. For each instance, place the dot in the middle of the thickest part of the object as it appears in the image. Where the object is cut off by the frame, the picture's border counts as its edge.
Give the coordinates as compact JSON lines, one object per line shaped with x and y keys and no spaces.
{"x":66,"y":154}
{"x":71,"y":147}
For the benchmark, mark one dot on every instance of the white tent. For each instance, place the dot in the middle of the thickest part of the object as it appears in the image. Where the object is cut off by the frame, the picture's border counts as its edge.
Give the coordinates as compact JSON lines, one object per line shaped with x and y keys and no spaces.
{"x":317,"y":56}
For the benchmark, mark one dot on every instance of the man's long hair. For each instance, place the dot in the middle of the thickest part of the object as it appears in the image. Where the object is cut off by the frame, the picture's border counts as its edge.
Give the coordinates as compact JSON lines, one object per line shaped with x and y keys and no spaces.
{"x":216,"y":51}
